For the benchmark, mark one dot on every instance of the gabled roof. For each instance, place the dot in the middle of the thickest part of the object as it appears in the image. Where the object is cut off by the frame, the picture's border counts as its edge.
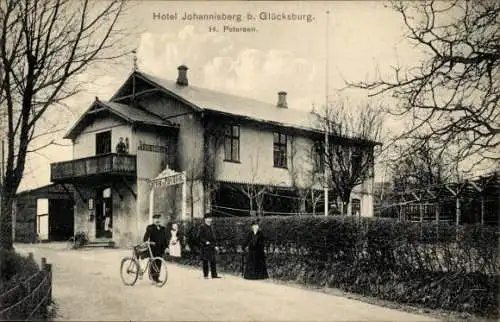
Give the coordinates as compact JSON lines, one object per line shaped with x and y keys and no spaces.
{"x":130,"y":114}
{"x":210,"y":100}
{"x":52,"y":188}
{"x":202,"y":99}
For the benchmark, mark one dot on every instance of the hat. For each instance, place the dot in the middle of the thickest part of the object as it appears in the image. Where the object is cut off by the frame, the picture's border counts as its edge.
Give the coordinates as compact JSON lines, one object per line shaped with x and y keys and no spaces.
{"x":156,"y":216}
{"x":208,"y":216}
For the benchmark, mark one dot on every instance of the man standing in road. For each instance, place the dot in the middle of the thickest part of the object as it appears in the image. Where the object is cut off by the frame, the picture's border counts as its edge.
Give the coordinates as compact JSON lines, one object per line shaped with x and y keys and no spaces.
{"x":158,"y":234}
{"x":208,"y":248}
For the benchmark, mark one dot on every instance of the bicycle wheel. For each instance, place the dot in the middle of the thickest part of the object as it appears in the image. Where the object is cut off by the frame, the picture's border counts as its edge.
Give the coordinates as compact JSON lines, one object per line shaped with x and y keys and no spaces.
{"x":158,"y":268}
{"x":129,"y":270}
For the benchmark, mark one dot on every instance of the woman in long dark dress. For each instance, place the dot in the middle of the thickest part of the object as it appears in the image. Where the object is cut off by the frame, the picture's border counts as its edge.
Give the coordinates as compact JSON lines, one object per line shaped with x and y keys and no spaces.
{"x":255,"y":268}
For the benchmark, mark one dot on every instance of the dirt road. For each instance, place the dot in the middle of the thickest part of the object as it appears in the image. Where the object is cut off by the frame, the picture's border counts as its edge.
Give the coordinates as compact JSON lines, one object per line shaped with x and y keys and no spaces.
{"x":87,"y":286}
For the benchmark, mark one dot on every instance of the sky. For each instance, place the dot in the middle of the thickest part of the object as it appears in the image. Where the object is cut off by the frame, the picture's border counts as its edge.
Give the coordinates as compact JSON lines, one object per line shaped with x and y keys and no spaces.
{"x":362,"y":37}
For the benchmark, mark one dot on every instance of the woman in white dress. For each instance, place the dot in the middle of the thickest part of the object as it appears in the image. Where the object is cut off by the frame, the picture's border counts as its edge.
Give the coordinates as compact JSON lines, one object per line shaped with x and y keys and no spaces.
{"x":174,"y":247}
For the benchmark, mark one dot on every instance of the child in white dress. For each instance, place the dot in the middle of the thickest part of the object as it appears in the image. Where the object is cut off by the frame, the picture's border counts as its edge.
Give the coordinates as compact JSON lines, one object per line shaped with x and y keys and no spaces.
{"x":175,"y":244}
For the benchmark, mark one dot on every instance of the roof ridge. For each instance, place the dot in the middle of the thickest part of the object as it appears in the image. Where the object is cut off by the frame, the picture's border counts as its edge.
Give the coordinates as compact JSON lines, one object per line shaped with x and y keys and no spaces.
{"x":218,"y":92}
{"x":106,"y":104}
{"x":138,"y":107}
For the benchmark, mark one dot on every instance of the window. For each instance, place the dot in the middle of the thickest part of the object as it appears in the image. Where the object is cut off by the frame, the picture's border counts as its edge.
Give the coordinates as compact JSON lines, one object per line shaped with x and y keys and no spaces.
{"x":356,"y":159}
{"x":42,"y":218}
{"x":356,"y":207}
{"x":232,"y":143}
{"x":318,"y":157}
{"x":279,"y":150}
{"x":103,"y":143}
{"x":42,"y":207}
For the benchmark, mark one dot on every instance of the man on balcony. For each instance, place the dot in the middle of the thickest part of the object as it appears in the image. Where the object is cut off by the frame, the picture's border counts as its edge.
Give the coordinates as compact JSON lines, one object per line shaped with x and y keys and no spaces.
{"x":121,"y":147}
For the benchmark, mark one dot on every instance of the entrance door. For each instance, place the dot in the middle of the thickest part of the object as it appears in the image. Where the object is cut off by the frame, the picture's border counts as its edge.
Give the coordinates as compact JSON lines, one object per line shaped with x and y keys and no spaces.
{"x":104,"y":213}
{"x":61,"y":219}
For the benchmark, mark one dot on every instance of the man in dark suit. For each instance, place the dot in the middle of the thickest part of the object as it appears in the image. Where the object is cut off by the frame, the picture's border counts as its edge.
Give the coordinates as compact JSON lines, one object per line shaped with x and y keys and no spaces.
{"x":208,"y":248}
{"x":158,"y":234}
{"x":121,"y":147}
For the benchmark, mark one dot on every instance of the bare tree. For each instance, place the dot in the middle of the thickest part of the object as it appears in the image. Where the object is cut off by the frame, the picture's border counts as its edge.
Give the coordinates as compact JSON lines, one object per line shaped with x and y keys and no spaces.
{"x":309,"y":192}
{"x":350,"y":155}
{"x":214,"y":137}
{"x":312,"y":178}
{"x":452,"y":94}
{"x":296,"y":174}
{"x":194,"y":173}
{"x":418,"y":166}
{"x":252,"y":190}
{"x":44,"y":45}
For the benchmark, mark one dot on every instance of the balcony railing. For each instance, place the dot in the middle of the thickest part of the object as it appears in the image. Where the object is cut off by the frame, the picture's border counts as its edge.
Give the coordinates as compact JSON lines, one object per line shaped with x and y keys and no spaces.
{"x":118,"y":164}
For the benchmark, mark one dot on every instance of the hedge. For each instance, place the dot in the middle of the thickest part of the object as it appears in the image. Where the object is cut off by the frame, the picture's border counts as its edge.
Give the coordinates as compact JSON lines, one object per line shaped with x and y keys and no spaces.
{"x":415,"y":263}
{"x":15,"y":268}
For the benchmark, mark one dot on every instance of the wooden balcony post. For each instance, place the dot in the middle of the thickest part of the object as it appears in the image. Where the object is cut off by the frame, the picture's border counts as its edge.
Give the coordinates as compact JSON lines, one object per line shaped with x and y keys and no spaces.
{"x":151,"y":203}
{"x":183,"y":206}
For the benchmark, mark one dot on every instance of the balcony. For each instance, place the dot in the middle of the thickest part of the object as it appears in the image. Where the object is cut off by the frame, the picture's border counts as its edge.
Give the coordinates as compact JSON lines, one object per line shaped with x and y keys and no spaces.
{"x":96,"y":167}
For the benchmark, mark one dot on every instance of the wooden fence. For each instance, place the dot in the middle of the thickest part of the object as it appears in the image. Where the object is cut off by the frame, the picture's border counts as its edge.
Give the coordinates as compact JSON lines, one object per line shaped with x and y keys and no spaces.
{"x":28,"y":300}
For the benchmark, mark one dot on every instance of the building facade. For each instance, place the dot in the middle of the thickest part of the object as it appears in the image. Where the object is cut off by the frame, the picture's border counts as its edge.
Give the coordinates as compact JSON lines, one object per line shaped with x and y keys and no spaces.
{"x":238,"y":155}
{"x":43,"y":214}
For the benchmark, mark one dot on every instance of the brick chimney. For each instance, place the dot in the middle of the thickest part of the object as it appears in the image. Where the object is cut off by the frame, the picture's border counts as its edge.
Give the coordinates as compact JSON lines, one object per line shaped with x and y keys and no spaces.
{"x":282,"y":100}
{"x":182,"y":79}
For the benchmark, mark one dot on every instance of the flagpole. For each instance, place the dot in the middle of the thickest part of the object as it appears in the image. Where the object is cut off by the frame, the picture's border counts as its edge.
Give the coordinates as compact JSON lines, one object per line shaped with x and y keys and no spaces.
{"x":326,"y":115}
{"x":134,"y":52}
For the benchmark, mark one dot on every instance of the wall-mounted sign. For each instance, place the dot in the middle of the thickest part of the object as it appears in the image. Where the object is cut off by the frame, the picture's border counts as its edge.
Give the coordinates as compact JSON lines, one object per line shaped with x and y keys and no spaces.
{"x":91,"y":203}
{"x":152,"y":148}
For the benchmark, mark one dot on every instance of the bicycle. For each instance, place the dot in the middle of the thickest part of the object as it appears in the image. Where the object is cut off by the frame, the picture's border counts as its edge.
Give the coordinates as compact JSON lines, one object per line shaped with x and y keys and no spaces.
{"x":131,"y":267}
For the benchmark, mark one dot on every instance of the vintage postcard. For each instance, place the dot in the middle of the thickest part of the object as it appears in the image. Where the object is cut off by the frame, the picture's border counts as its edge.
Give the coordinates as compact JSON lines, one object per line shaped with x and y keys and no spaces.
{"x":249,"y":160}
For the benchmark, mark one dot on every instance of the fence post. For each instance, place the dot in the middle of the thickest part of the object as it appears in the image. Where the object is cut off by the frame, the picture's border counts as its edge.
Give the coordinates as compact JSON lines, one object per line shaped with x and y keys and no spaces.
{"x":437,"y":219}
{"x":21,"y":312}
{"x":482,"y":207}
{"x":43,"y":262}
{"x":48,"y":271}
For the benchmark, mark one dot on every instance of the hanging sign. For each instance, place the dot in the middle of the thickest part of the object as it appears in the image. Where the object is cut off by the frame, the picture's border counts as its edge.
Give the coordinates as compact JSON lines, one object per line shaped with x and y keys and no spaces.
{"x":168,"y":181}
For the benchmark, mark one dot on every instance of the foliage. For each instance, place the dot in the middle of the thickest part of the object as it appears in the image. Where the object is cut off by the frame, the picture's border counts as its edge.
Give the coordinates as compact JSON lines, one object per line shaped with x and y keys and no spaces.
{"x":418,"y":166}
{"x":349,"y":162}
{"x":451,"y":94}
{"x":81,"y":239}
{"x":44,"y":46}
{"x":14,"y":268}
{"x":23,"y":288}
{"x":424,"y":264}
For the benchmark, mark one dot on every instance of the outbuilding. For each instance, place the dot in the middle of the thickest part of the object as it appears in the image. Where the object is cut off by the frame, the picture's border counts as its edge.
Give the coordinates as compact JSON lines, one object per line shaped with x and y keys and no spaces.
{"x":43,"y":214}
